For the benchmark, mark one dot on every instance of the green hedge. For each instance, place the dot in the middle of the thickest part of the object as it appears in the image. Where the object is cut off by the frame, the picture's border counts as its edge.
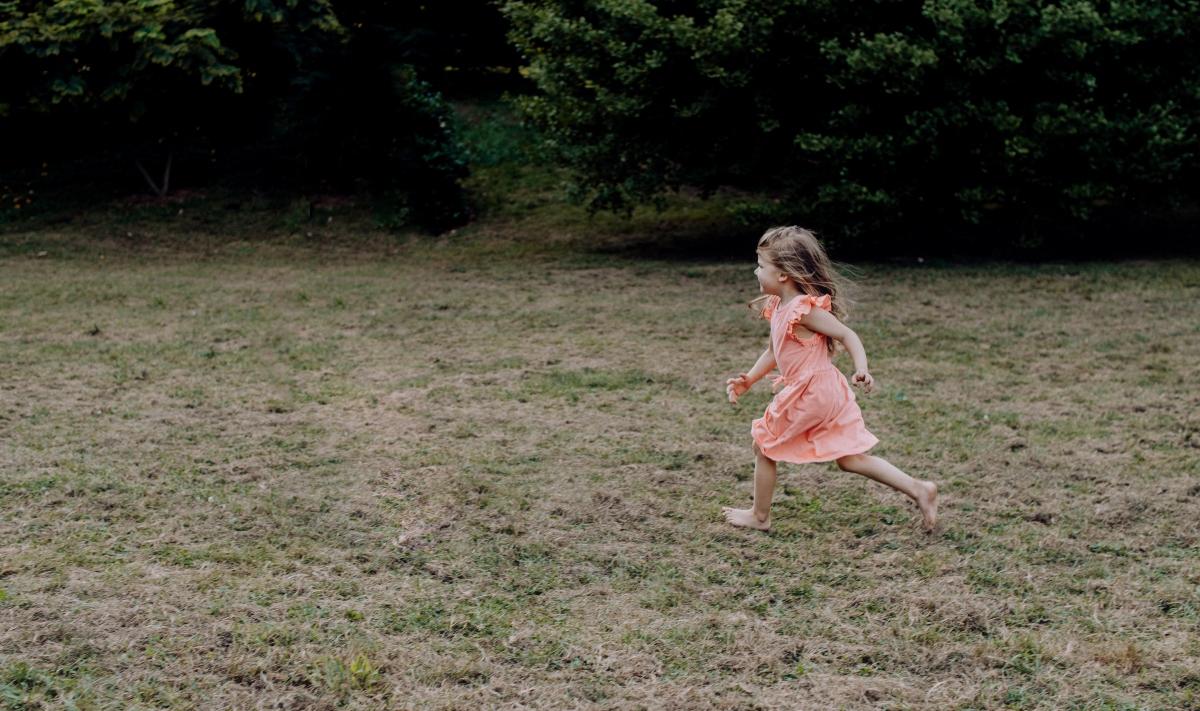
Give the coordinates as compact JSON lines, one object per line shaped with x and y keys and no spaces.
{"x":863,"y":116}
{"x":305,"y":95}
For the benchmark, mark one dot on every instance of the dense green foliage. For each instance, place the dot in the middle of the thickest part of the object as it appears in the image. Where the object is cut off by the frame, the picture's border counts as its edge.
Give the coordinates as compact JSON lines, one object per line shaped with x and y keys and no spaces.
{"x":296,"y":93}
{"x":1020,"y":117}
{"x":134,"y":52}
{"x":860,"y":115}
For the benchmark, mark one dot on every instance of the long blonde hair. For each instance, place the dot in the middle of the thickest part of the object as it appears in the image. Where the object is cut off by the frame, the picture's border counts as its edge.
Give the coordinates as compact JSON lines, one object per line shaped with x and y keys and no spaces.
{"x":796,"y":252}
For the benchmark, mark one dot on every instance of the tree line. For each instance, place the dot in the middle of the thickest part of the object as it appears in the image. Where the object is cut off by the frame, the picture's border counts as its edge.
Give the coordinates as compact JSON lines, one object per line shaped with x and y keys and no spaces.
{"x":880,"y":117}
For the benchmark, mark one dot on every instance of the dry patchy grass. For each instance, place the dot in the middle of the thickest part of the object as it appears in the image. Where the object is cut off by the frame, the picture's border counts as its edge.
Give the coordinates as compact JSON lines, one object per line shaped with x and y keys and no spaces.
{"x":471,"y":474}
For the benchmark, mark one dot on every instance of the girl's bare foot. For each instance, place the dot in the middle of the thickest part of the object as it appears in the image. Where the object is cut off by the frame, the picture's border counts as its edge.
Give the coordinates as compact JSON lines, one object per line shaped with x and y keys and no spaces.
{"x":745,"y":518}
{"x":928,"y":502}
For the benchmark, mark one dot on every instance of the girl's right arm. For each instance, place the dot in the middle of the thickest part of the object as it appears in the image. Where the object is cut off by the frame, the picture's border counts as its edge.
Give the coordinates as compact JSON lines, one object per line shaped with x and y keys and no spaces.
{"x":734,"y":387}
{"x":765,"y":364}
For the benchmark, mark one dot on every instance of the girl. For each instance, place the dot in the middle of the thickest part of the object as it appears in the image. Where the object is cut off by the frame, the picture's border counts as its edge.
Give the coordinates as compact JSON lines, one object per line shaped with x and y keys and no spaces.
{"x":814,"y":417}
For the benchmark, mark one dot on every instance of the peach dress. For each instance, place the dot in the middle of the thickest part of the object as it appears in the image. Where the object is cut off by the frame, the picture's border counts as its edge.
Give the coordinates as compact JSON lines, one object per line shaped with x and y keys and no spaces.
{"x":814,"y":417}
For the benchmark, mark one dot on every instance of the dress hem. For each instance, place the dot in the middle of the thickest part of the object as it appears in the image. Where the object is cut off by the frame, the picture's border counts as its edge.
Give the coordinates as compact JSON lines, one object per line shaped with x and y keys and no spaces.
{"x":815,"y":460}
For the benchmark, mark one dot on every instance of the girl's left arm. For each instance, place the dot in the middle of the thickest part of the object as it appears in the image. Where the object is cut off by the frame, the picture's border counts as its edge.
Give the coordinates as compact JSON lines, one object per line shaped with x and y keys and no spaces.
{"x":821,"y":321}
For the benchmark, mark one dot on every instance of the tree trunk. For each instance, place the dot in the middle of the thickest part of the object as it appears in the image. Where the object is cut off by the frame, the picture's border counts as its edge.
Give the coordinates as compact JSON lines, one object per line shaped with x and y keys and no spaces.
{"x":166,"y":179}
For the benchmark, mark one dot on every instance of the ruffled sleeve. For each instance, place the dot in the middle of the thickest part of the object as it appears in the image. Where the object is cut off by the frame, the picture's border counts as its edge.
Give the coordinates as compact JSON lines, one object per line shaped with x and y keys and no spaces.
{"x":801,"y":305}
{"x":769,"y":305}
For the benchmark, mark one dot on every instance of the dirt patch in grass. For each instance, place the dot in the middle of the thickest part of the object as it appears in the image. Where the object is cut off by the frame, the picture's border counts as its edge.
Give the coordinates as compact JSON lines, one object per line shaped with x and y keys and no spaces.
{"x":462,"y":474}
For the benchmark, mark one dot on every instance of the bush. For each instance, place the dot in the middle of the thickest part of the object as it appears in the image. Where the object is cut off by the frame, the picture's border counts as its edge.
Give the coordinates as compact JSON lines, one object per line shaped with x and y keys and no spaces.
{"x":277,"y":94}
{"x":359,"y":122}
{"x":870,"y":115}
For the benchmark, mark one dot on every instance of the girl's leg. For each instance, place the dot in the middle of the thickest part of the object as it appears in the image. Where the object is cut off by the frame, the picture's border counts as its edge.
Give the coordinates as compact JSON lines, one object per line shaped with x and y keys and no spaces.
{"x":764,"y":488}
{"x":882,"y":471}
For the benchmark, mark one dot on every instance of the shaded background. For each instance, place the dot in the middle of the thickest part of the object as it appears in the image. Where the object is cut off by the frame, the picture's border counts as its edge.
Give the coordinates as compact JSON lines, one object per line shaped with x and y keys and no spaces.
{"x":947,"y":128}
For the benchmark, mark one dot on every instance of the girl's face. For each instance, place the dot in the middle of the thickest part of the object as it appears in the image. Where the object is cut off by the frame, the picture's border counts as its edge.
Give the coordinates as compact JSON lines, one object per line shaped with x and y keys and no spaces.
{"x":770,"y":279}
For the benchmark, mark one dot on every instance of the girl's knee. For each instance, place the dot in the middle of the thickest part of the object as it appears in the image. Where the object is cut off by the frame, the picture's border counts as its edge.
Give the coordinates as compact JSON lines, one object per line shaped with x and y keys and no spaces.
{"x":847,"y":462}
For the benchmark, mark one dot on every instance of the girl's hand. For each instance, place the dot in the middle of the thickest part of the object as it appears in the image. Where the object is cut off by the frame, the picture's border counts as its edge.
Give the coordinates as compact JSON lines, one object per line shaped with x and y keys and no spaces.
{"x":863,"y":378}
{"x":735,"y":387}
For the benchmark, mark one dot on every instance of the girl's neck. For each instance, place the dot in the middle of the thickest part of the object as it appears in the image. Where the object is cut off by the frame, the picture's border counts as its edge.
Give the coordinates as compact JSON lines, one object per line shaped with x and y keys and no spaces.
{"x":788,"y":291}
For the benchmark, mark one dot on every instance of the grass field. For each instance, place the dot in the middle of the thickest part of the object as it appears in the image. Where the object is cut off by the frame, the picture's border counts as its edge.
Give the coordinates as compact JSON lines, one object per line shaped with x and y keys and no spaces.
{"x":486,"y":471}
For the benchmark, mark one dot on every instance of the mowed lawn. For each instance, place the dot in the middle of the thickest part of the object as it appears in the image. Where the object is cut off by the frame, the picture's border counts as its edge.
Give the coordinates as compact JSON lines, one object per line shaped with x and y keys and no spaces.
{"x":445,"y":476}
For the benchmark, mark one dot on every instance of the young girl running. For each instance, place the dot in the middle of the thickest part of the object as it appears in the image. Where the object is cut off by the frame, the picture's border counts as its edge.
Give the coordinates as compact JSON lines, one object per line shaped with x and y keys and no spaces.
{"x":813,"y":417}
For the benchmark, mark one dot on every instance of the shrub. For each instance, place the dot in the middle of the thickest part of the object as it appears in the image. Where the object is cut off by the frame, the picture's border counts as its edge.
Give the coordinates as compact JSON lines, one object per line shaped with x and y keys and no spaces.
{"x":868,"y":115}
{"x":283,"y":94}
